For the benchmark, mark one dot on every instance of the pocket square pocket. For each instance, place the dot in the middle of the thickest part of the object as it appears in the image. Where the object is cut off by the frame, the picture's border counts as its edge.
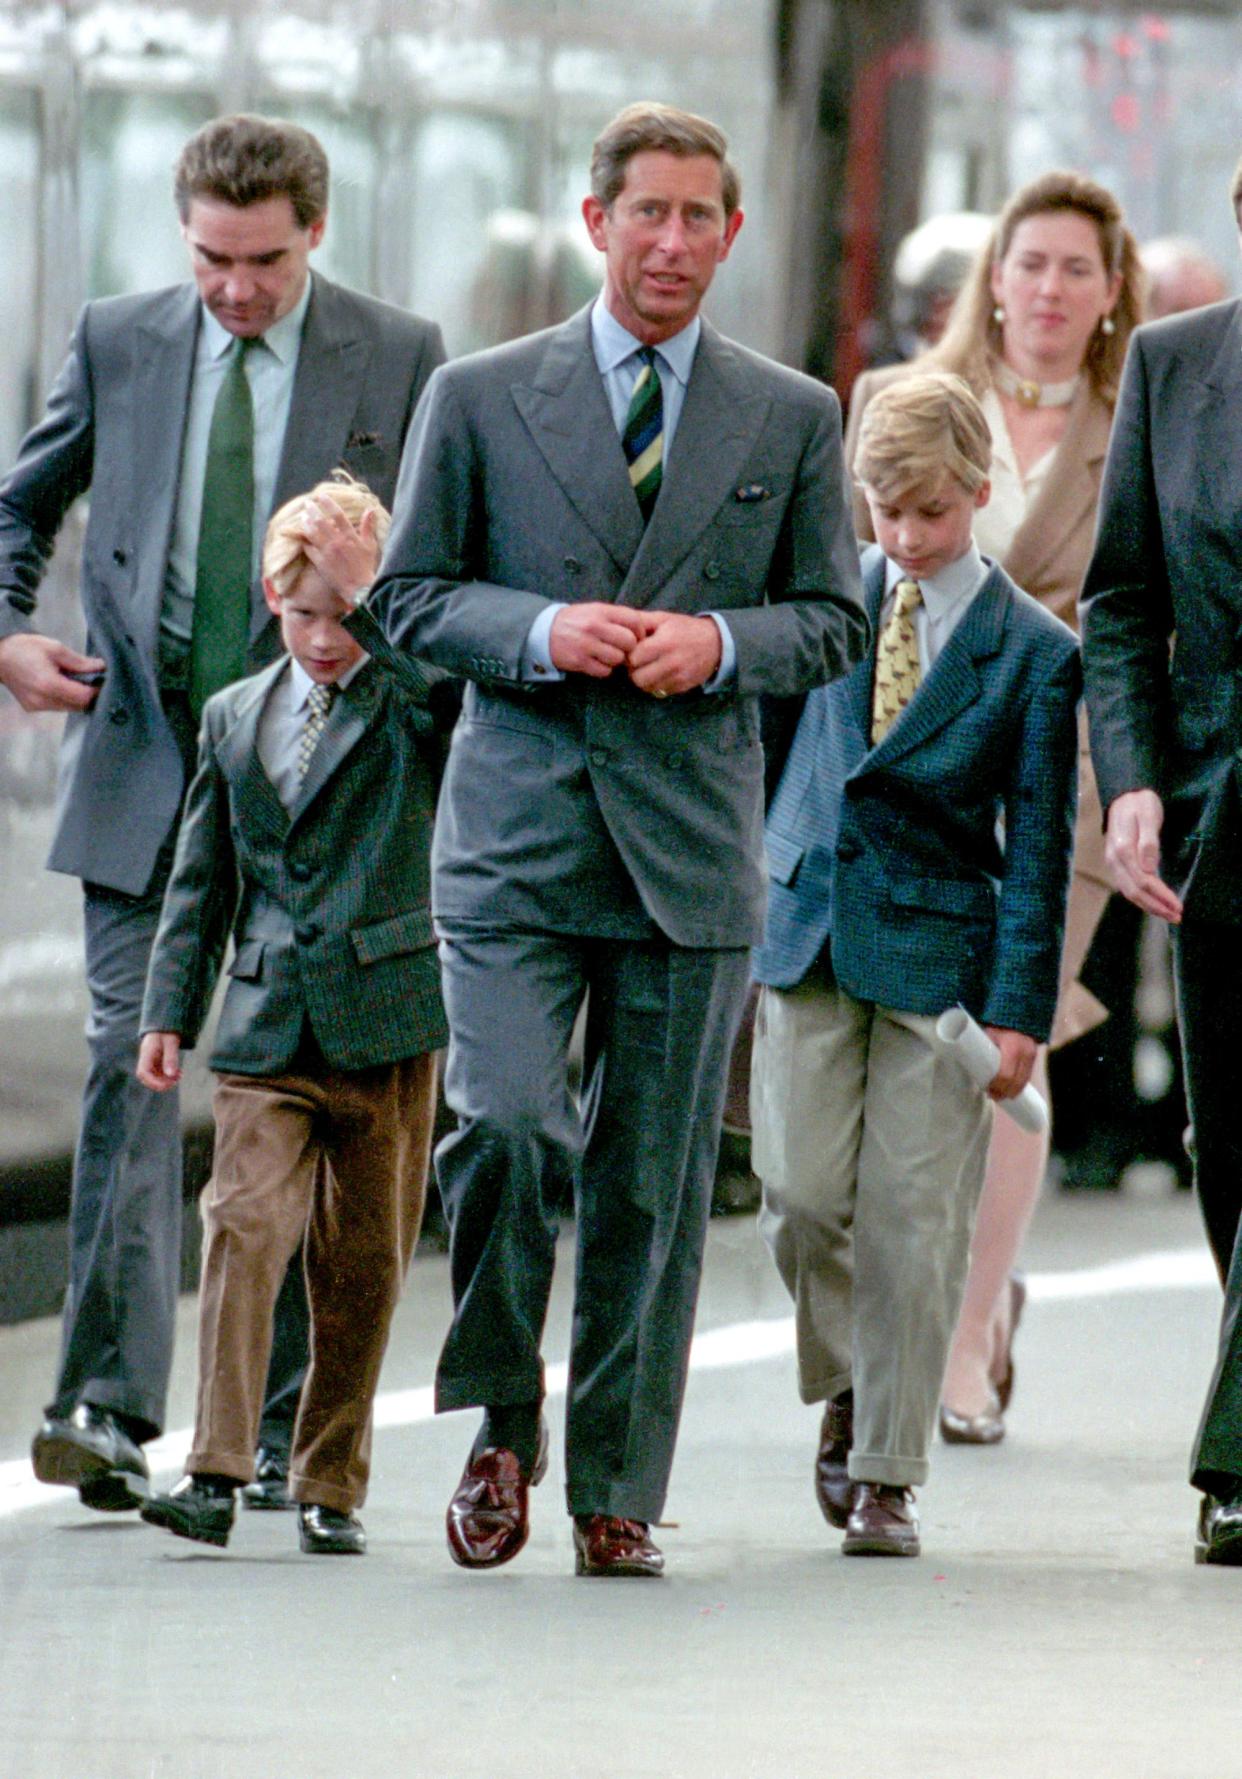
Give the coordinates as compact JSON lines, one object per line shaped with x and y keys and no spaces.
{"x":750,"y":492}
{"x":357,"y":440}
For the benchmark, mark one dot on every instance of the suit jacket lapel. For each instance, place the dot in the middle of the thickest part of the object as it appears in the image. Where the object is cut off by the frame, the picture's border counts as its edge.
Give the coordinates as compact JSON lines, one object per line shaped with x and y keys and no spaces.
{"x":1069,"y":490}
{"x":954,"y":681}
{"x":238,"y":754}
{"x":566,"y":404}
{"x":723,"y":414}
{"x":347,"y":723}
{"x":166,"y":342}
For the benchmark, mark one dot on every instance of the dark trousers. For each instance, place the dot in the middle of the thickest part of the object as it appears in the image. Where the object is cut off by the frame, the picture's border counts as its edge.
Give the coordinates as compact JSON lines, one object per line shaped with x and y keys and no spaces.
{"x":660,"y":1023}
{"x":1208,"y":961}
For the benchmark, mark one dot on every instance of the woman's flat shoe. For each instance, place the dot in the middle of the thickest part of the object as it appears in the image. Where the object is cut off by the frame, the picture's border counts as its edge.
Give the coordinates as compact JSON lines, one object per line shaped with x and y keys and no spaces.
{"x":984,"y":1429}
{"x":1017,"y":1299}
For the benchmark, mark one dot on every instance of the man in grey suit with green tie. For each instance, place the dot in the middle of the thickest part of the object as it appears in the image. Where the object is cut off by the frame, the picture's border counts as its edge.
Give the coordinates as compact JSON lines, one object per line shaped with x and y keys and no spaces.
{"x":619,"y":532}
{"x":189,"y":413}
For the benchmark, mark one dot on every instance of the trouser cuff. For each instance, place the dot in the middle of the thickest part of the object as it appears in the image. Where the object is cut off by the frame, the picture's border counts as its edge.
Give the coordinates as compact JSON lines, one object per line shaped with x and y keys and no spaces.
{"x":883,"y":1467}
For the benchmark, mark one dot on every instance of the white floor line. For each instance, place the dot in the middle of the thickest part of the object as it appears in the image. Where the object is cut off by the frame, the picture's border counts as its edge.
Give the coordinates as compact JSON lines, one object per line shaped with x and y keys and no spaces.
{"x":741,"y":1343}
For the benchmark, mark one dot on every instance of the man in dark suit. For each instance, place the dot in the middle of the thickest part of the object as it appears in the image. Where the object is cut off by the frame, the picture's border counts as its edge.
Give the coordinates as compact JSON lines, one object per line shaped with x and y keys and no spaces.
{"x":189,"y":413}
{"x":619,"y":532}
{"x":1162,"y":646}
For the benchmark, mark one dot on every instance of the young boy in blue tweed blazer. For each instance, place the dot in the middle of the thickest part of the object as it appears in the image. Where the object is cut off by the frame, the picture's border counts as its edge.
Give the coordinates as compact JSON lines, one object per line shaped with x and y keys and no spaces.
{"x":919,"y":850}
{"x":306,"y":836}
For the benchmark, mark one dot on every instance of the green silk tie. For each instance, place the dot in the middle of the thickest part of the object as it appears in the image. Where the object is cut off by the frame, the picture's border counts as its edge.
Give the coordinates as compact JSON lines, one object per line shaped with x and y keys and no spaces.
{"x":221,"y":626}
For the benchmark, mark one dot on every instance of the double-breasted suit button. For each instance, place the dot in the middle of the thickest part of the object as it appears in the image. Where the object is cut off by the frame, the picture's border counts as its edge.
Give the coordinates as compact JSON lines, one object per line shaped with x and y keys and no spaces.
{"x":119,"y":715}
{"x":120,"y":557}
{"x":599,"y":756}
{"x":307,"y":933}
{"x":573,"y":565}
{"x":711,"y":571}
{"x":299,"y":871}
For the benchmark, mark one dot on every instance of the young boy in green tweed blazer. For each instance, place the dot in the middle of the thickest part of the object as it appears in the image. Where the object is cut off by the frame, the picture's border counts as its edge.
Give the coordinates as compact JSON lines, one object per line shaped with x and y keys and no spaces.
{"x":306,"y":836}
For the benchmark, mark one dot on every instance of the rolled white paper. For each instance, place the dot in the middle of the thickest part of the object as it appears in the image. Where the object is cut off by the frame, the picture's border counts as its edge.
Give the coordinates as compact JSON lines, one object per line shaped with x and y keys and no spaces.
{"x":980,"y":1058}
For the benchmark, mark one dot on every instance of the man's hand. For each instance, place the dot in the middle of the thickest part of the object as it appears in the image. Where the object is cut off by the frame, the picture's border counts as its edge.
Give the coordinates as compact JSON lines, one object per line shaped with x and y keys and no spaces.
{"x":346,"y":557}
{"x":594,"y":638}
{"x":1132,"y":854}
{"x":677,"y":653}
{"x":159,"y":1061}
{"x":34,"y":668}
{"x":1017,"y":1059}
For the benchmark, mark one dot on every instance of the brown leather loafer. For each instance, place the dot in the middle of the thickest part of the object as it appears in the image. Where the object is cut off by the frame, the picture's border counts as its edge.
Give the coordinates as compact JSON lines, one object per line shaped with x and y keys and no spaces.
{"x":833,"y":1489}
{"x":606,"y":1545}
{"x":488,"y":1519}
{"x":1218,"y":1535}
{"x":882,"y":1523}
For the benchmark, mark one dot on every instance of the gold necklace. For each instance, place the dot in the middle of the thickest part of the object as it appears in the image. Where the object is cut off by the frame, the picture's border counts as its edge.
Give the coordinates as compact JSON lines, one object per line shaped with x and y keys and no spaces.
{"x":1030,"y":394}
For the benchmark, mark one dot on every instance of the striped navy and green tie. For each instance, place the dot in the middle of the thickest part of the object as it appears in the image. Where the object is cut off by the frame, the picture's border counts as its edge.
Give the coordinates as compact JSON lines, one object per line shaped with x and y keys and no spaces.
{"x":643,"y":437}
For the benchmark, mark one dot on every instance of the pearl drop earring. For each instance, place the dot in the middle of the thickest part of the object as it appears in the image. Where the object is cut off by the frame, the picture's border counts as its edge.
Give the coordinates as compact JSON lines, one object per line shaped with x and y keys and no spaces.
{"x":1107,"y":325}
{"x":998,"y":314}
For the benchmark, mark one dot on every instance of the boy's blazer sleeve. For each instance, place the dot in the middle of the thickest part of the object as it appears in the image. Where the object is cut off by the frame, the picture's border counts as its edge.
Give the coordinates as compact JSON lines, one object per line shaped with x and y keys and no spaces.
{"x":199,"y":905}
{"x":1040,"y":806}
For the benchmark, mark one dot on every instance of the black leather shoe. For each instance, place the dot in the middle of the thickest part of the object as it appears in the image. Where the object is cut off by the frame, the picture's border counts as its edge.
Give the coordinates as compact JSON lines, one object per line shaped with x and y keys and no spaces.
{"x":91,"y":1452}
{"x":607,"y":1545}
{"x":193,"y":1510}
{"x":488,"y":1519}
{"x":1218,"y":1535}
{"x":882,"y":1523}
{"x":833,"y":1489}
{"x":270,"y":1489}
{"x":325,"y":1532}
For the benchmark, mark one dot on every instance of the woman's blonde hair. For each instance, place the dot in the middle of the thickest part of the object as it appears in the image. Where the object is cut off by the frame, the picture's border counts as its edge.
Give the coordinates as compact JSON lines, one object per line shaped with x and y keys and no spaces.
{"x":284,"y":550}
{"x":972,"y":338}
{"x":918,"y":427}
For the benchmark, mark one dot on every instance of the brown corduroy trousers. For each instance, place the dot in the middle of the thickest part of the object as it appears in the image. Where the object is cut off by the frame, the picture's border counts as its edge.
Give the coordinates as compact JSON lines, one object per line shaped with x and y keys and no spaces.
{"x":339,"y":1157}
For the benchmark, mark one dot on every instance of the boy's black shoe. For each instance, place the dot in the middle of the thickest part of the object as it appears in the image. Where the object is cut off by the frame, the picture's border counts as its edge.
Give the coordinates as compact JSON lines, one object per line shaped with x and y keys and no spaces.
{"x":200,"y":1508}
{"x":326,"y":1532}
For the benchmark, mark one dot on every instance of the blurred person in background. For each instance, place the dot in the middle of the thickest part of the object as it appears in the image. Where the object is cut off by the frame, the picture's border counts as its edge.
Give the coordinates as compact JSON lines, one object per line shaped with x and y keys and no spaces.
{"x":1180,"y":276}
{"x":1039,"y":332}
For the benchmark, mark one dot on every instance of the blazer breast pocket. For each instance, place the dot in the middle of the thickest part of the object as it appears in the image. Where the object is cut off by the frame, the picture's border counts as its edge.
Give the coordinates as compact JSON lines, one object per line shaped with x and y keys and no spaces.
{"x":755,"y":503}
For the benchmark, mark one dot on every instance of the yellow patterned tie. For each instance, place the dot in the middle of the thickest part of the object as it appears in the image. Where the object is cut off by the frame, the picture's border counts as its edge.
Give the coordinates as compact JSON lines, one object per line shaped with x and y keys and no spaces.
{"x":319,"y":702}
{"x":897,"y":670}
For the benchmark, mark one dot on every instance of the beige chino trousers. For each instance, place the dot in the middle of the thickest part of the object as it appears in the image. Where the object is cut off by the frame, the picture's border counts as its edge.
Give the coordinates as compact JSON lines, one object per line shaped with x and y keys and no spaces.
{"x":871,"y":1146}
{"x":340,"y":1156}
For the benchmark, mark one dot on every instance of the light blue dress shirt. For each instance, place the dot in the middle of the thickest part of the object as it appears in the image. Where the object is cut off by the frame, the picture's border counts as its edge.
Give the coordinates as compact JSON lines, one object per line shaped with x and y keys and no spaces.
{"x":270,"y":371}
{"x":946,"y":600}
{"x":616,"y":354}
{"x":282,"y":722}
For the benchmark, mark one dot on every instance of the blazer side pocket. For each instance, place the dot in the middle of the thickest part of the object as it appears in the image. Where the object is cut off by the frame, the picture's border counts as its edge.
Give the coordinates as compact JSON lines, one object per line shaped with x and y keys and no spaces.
{"x":398,"y":934}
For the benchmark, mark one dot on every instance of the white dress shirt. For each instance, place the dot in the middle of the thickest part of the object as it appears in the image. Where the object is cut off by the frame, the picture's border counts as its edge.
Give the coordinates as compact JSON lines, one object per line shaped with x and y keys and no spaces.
{"x":270,"y":371}
{"x":946,"y":600}
{"x":281,"y":724}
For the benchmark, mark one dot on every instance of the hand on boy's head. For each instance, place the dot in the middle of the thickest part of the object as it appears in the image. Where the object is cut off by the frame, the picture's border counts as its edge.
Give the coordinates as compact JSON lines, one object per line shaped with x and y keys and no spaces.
{"x":347,"y":556}
{"x":159,"y":1061}
{"x":1017,"y":1059}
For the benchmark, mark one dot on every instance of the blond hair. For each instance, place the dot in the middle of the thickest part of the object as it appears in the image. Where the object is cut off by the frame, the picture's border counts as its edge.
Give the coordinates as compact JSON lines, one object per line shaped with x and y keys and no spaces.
{"x":284,"y":548}
{"x":917,"y":428}
{"x":972,"y":338}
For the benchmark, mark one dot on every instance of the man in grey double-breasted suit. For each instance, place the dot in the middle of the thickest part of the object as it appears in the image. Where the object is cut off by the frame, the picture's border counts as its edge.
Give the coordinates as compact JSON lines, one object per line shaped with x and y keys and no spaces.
{"x":618,"y":548}
{"x":323,"y":376}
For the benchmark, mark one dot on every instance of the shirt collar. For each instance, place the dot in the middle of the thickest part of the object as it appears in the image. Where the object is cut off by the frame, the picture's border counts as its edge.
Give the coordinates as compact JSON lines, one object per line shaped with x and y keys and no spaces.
{"x":613,"y":344}
{"x":300,"y":682}
{"x":282,"y":338}
{"x":959,"y":581}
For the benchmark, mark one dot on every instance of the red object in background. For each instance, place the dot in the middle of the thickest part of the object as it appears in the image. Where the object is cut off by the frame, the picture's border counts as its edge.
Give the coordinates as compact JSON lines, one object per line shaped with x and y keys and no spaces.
{"x":1126,"y":112}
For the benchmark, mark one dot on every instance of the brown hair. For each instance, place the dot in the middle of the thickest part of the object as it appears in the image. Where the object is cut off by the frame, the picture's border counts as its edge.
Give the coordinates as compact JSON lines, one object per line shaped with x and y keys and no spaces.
{"x":243,"y":160}
{"x":650,"y":125}
{"x":916,"y":428}
{"x":972,"y":338}
{"x":284,"y":549}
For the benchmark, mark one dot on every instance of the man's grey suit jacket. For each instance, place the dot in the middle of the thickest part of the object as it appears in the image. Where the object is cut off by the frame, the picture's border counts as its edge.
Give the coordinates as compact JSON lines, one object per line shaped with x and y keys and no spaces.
{"x":1162,"y":601}
{"x":514,"y":492}
{"x":328,"y":902}
{"x":889,"y":854}
{"x":114,"y":424}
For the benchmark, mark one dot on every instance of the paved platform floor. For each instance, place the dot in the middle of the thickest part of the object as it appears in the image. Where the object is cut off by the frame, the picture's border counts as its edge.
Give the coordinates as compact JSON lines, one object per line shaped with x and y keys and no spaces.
{"x":1055,"y":1625}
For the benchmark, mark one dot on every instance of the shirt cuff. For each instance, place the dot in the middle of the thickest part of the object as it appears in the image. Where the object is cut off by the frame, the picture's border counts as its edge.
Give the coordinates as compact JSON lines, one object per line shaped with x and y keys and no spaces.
{"x":726,"y":673}
{"x":535,"y":663}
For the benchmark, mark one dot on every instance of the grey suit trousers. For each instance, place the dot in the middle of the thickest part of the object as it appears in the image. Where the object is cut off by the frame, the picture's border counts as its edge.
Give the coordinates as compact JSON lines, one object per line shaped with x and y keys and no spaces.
{"x":660,"y":1026}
